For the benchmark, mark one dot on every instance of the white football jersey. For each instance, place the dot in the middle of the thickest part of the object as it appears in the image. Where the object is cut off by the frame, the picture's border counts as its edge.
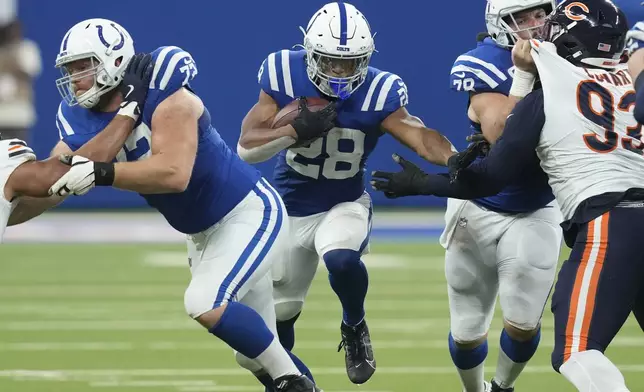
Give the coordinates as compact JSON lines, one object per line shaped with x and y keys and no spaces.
{"x":590,"y":143}
{"x":13,"y":153}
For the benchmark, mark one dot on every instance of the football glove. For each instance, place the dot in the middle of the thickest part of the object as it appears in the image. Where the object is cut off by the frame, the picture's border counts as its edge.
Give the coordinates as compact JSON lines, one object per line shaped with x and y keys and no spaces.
{"x":311,"y":125}
{"x":478,"y":147}
{"x":135,"y":84}
{"x":82,"y":176}
{"x":408,"y":182}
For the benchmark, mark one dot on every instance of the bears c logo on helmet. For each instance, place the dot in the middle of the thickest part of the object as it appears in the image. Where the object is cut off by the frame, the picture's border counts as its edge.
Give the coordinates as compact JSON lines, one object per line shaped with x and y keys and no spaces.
{"x":576,"y":16}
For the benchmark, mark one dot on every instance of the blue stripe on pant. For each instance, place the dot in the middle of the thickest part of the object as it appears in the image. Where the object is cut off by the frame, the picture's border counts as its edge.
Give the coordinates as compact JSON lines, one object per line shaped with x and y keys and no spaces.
{"x":266,"y":198}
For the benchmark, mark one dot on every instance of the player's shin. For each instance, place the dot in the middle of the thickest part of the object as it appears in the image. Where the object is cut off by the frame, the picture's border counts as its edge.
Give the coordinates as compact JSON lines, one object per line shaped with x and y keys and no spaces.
{"x":246,"y":332}
{"x":350,"y":281}
{"x":517,"y":348}
{"x":286,"y":332}
{"x":469,"y":360}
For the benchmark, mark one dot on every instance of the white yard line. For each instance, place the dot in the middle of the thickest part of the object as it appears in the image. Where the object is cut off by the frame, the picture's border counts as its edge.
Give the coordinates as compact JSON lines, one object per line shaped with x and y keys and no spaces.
{"x":308,"y":345}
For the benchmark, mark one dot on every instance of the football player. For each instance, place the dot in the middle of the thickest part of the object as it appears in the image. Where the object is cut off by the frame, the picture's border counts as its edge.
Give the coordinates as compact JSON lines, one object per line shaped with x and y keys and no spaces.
{"x":581,"y":130}
{"x":321,"y":178}
{"x":172,"y":155}
{"x":495,"y":253}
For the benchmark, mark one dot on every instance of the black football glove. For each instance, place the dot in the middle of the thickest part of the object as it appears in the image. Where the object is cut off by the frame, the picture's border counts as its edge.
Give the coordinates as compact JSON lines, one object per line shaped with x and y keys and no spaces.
{"x":478,"y":147}
{"x":135,"y":84}
{"x":311,"y":125}
{"x":408,"y":182}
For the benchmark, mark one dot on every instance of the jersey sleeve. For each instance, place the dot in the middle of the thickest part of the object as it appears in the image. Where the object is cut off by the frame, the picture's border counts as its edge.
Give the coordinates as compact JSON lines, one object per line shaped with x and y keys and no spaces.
{"x":472,"y":74}
{"x":386,"y":93}
{"x":13,"y":153}
{"x":275,"y":76}
{"x":68,"y":125}
{"x":174,"y":68}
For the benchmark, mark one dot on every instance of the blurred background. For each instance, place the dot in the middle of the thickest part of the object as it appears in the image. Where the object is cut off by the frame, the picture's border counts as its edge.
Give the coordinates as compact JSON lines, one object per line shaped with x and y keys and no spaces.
{"x":91,"y":294}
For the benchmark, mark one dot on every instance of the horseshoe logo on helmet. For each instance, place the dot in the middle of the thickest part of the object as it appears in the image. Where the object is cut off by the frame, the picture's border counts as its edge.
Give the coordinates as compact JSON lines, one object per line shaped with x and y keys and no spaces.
{"x":576,"y":16}
{"x":107,"y":44}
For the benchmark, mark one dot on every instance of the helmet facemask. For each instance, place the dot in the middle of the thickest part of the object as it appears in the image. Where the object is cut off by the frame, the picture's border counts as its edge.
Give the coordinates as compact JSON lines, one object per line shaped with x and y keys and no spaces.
{"x":89,"y":98}
{"x":508,"y":24}
{"x":337,"y":76}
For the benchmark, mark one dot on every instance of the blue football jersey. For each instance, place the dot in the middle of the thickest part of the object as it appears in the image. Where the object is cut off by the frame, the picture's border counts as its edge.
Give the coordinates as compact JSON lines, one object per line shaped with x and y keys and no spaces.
{"x":220,"y":179}
{"x":489,"y":68}
{"x":331,"y":169}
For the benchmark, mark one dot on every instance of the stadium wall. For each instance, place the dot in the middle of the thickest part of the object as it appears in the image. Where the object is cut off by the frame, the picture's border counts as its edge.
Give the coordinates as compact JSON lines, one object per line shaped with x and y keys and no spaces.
{"x":418,"y":40}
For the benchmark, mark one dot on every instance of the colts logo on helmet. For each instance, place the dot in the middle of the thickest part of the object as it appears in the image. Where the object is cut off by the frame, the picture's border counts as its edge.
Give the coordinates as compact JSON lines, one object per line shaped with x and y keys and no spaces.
{"x":107,"y":44}
{"x":576,"y":15}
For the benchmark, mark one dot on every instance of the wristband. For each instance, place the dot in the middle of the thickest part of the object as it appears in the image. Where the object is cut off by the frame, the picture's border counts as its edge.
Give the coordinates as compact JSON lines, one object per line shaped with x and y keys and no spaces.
{"x":522,"y":83}
{"x":103,"y":174}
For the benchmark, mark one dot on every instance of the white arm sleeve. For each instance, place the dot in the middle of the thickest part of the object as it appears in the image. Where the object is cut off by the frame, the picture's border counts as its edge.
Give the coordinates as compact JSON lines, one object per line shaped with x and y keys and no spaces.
{"x":264,"y":152}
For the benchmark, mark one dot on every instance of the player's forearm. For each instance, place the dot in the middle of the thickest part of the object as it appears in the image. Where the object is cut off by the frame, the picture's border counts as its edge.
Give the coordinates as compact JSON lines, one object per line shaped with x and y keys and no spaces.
{"x":30,"y":207}
{"x":31,"y":182}
{"x":434,"y":147}
{"x":152,"y":176}
{"x":440,"y":185}
{"x":257,"y":137}
{"x":34,"y":179}
{"x":266,"y":151}
{"x":106,"y":144}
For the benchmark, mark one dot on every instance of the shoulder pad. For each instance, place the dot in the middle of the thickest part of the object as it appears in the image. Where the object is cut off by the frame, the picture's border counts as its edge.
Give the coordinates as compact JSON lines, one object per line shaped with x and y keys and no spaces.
{"x":386,"y":92}
{"x":480,"y":70}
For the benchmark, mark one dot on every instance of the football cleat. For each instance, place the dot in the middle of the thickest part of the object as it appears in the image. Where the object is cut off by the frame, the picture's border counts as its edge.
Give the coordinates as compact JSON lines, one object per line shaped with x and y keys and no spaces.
{"x":359,"y":359}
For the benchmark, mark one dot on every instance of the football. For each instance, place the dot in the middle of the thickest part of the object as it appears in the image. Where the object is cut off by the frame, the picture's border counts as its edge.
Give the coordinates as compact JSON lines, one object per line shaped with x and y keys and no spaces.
{"x":290,"y":111}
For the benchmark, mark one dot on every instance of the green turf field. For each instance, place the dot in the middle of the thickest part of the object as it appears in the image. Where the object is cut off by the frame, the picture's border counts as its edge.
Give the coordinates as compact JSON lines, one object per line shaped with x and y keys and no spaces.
{"x":111,"y":318}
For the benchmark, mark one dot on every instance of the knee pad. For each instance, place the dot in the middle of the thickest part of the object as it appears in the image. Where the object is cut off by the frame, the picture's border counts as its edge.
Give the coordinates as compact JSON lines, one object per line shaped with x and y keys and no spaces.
{"x":194,"y":303}
{"x":287,"y":310}
{"x":340,"y":260}
{"x":247,"y":363}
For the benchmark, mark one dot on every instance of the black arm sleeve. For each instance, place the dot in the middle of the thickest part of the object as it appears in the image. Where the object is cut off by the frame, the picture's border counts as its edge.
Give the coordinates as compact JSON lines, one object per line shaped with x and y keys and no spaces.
{"x":506,"y":160}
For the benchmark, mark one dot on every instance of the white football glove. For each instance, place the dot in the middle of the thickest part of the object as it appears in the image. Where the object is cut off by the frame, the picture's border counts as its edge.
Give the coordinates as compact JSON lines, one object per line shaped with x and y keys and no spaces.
{"x":635,"y":38}
{"x":78,"y":180}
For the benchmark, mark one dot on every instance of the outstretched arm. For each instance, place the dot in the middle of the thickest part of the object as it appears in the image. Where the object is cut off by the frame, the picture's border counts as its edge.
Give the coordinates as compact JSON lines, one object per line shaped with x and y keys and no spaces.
{"x":505,"y":162}
{"x":430,"y":144}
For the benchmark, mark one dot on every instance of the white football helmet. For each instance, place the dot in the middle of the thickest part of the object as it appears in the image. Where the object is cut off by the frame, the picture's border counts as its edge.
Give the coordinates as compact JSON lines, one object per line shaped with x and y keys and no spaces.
{"x":499,"y":13}
{"x":110,"y":48}
{"x":339,"y":44}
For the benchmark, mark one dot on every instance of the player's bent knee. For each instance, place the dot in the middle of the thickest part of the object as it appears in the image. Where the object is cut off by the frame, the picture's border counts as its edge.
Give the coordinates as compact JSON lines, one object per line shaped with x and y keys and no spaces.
{"x":340,"y":260}
{"x":521,"y":332}
{"x":195,"y":303}
{"x":287,"y":310}
{"x":468,"y":343}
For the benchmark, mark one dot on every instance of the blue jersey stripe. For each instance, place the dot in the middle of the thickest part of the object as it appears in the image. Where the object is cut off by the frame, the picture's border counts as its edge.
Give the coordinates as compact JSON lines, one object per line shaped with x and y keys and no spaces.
{"x":343,"y":23}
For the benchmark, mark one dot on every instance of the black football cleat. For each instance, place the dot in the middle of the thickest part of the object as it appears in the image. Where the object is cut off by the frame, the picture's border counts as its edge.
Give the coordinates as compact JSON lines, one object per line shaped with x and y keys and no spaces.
{"x":494,"y":387}
{"x":293,"y":383}
{"x":359,"y":359}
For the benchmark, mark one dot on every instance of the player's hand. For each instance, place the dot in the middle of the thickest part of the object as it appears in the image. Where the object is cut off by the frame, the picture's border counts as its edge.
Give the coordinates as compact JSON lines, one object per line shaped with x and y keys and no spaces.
{"x":522,"y":56}
{"x":461,"y":160}
{"x":404,"y":183}
{"x":310,"y":125}
{"x":135,"y":84}
{"x":82,"y":176}
{"x":635,"y":38}
{"x":78,"y":180}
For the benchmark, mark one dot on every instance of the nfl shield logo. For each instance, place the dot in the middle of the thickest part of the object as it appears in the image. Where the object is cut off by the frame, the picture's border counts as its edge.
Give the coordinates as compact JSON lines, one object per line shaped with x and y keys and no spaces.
{"x":603,"y":47}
